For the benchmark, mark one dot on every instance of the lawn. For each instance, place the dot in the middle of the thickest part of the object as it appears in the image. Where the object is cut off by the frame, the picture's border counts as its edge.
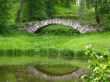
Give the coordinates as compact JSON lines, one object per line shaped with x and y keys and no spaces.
{"x":57,"y":37}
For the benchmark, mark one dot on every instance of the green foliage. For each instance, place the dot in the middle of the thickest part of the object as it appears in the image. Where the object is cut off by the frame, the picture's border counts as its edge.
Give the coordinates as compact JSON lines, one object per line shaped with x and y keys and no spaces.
{"x":82,"y":9}
{"x":50,"y":8}
{"x":42,"y":9}
{"x":89,"y":3}
{"x":34,"y":10}
{"x":102,"y":10}
{"x":37,"y":9}
{"x":65,"y":3}
{"x":104,"y":7}
{"x":100,"y":66}
{"x":4,"y":14}
{"x":7,"y":13}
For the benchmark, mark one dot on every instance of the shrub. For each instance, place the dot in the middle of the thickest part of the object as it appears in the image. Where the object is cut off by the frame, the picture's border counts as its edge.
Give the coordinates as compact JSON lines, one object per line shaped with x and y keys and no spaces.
{"x":99,"y":65}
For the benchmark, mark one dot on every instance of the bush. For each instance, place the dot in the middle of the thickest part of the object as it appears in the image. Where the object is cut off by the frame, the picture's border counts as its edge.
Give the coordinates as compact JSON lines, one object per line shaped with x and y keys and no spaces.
{"x":99,"y":65}
{"x":7,"y":14}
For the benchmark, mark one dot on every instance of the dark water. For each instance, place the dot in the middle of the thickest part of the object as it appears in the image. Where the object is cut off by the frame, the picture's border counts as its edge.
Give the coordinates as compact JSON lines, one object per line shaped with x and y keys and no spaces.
{"x":19,"y":74}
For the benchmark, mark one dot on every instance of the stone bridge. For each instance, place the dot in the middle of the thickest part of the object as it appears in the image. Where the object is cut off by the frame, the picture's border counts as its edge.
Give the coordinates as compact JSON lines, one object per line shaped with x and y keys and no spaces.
{"x":35,"y":26}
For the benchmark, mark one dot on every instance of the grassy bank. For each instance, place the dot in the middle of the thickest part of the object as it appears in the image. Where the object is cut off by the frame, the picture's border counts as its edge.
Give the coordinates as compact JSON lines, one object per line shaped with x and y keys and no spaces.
{"x":56,"y":37}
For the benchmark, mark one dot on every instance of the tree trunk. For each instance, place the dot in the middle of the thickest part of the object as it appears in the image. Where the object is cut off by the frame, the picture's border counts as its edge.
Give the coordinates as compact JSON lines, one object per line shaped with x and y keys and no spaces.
{"x":19,"y":11}
{"x":97,"y":17}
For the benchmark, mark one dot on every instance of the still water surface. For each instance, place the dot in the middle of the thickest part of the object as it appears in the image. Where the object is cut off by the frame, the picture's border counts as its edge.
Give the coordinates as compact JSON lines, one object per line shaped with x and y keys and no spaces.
{"x":19,"y":74}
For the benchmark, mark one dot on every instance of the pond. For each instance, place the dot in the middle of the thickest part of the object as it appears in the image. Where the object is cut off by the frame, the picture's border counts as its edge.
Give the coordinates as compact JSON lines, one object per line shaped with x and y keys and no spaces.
{"x":41,"y":68}
{"x":39,"y":73}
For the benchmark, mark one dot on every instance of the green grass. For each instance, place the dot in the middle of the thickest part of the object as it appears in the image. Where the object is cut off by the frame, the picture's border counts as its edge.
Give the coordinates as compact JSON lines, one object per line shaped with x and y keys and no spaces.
{"x":57,"y":37}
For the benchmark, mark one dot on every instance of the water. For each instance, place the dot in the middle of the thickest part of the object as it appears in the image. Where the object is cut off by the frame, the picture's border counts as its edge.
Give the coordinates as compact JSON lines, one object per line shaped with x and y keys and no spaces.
{"x":20,"y":74}
{"x":50,"y":68}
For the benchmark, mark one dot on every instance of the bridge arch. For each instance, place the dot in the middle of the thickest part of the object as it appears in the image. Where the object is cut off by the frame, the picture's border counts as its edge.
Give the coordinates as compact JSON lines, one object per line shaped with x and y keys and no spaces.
{"x":35,"y":26}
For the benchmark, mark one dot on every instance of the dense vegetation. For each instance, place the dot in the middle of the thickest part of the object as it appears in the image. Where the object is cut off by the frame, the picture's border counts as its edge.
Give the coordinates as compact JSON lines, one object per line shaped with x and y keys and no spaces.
{"x":56,"y":44}
{"x":31,"y":10}
{"x":93,"y":12}
{"x":100,"y":66}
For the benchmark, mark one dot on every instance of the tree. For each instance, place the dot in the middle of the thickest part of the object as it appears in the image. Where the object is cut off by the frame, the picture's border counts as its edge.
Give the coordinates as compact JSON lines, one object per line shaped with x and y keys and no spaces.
{"x":97,"y":17}
{"x":4,"y":13}
{"x":66,"y":3}
{"x":19,"y":11}
{"x":34,"y":10}
{"x":82,"y":6}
